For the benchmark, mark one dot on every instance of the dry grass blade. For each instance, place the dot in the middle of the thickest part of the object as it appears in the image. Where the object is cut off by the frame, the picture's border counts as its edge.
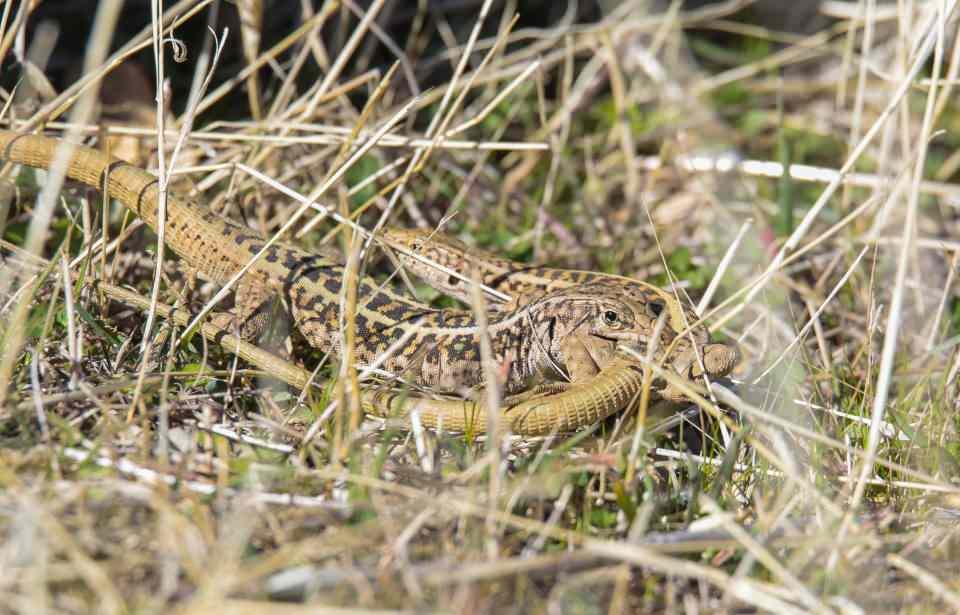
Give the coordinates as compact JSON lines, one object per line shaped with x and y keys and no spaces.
{"x":104,"y":24}
{"x":251,"y":22}
{"x":928,"y":579}
{"x":789,"y":168}
{"x":930,"y":38}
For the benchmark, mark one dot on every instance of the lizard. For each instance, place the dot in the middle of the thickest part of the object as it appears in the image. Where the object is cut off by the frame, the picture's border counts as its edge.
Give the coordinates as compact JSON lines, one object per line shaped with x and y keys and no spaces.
{"x":577,"y":405}
{"x":524,"y":283}
{"x":442,"y":350}
{"x":574,"y":406}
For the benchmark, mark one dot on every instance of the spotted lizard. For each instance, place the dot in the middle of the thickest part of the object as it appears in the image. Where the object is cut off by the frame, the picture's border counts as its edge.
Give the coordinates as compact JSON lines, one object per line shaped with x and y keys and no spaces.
{"x":576,"y":406}
{"x":685,"y":337}
{"x":442,"y":349}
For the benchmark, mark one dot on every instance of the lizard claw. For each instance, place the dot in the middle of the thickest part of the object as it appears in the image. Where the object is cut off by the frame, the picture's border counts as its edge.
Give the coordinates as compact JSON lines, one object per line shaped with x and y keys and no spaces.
{"x":718,"y":361}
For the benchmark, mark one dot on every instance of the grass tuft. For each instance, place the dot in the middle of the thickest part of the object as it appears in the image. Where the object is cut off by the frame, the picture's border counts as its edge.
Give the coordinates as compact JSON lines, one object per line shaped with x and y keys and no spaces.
{"x":800,"y":186}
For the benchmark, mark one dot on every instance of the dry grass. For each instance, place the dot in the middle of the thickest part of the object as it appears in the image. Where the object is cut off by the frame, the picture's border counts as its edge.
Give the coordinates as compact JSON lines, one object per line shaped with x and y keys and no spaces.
{"x":154,"y":472}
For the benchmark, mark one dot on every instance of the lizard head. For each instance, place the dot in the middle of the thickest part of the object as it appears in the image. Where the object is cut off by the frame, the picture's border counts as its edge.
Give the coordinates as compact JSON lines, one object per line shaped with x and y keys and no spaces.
{"x":420,"y":251}
{"x":582,"y":326}
{"x":440,"y":248}
{"x":684,"y":345}
{"x":589,"y":323}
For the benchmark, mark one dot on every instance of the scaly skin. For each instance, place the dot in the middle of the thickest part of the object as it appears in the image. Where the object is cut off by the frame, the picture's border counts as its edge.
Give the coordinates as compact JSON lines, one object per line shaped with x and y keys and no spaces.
{"x":579,"y":405}
{"x":442,"y":352}
{"x":522,"y":281}
{"x":526,"y":283}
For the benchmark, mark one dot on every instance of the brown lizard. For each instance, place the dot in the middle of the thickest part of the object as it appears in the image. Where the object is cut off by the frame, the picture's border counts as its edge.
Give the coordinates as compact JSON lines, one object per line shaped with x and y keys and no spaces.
{"x":578,"y":405}
{"x":442,"y":352}
{"x":685,"y":336}
{"x":575,"y":405}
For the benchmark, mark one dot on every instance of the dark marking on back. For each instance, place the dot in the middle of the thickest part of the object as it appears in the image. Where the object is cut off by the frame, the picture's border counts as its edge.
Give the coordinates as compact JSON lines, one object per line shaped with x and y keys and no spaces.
{"x":330,"y":283}
{"x":272,"y":255}
{"x":378,"y":300}
{"x":143,"y":191}
{"x":6,"y":150}
{"x":497,"y":280}
{"x":107,"y":170}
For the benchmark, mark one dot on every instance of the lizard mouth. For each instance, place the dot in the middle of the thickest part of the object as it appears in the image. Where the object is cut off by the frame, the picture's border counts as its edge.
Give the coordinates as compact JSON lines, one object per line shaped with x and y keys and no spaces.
{"x":616,"y":338}
{"x":628,"y":338}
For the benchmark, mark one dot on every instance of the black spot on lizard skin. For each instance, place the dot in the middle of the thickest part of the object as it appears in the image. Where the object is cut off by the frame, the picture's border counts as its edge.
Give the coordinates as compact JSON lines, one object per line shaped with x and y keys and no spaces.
{"x":290,"y":261}
{"x":376,"y":301}
{"x":306,"y":266}
{"x":312,"y":302}
{"x":312,"y":273}
{"x":332,"y":284}
{"x":291,"y":286}
{"x":361,"y":323}
{"x":413,"y":316}
{"x":143,"y":192}
{"x":395,"y":311}
{"x":229,"y":228}
{"x":273,"y":254}
{"x":503,"y":277}
{"x":242,"y":238}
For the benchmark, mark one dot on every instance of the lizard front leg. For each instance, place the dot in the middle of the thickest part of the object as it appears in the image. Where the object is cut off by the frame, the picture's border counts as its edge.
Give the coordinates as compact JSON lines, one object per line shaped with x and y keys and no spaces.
{"x":584,"y":356}
{"x":252,"y":313}
{"x":581,"y":356}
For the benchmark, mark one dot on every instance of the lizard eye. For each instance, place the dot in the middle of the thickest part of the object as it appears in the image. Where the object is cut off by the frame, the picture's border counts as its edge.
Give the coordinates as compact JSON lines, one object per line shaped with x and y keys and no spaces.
{"x":610,"y":317}
{"x":416,"y":245}
{"x":453,"y":280}
{"x":656,"y":307}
